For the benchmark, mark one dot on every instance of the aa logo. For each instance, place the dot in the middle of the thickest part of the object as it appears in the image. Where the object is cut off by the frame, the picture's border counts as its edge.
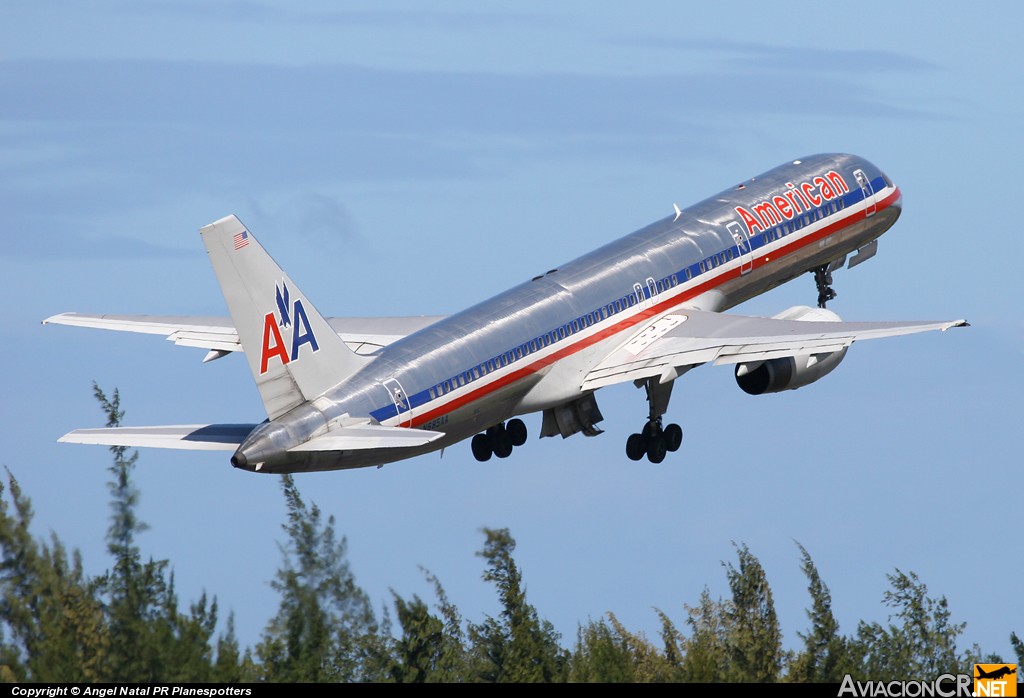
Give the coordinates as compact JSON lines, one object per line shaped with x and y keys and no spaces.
{"x":289,"y":317}
{"x":995,"y":680}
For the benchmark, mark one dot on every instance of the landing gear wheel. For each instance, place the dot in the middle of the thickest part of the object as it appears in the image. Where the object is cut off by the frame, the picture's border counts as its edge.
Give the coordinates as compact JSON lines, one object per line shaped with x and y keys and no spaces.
{"x":636,"y":447}
{"x":481,"y":446}
{"x":673,"y":437}
{"x":651,"y":429}
{"x":656,"y":449}
{"x":516,"y":431}
{"x":501,"y":442}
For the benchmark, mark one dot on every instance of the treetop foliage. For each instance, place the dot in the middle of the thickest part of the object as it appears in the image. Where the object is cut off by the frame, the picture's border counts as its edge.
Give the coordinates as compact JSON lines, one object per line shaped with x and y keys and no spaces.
{"x":58,"y":624}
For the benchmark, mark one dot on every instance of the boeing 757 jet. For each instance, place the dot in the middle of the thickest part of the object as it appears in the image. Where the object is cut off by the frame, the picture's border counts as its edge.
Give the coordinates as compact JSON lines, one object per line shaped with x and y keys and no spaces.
{"x":647,"y":308}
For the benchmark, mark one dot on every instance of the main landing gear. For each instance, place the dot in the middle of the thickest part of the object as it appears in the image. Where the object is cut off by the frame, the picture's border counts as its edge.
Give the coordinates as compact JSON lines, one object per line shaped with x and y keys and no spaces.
{"x":823,"y":280}
{"x":499,"y":440}
{"x":654,"y":441}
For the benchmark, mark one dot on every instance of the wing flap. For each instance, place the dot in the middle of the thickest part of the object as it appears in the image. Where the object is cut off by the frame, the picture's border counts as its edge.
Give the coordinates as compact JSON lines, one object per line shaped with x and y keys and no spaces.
{"x":369,"y":436}
{"x":698,"y":337}
{"x":190,"y":437}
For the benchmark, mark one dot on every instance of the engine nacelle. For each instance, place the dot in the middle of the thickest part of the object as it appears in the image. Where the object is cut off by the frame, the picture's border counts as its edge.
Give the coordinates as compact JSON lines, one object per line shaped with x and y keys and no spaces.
{"x":791,"y":372}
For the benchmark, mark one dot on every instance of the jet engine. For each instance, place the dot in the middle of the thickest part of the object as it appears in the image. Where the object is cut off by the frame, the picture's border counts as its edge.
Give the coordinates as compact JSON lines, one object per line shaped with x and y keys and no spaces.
{"x":791,"y":372}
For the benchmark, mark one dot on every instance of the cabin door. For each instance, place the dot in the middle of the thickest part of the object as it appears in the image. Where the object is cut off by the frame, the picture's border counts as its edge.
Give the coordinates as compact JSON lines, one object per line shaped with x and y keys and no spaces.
{"x":869,"y":192}
{"x":403,"y":407}
{"x":743,"y":246}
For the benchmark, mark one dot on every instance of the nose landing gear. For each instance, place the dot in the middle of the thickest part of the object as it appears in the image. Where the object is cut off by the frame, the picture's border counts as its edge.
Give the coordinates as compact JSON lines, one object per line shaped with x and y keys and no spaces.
{"x":823,"y":280}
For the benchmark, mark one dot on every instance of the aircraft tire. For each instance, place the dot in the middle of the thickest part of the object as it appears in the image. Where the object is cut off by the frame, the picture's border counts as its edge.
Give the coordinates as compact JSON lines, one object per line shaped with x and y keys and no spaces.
{"x":501,"y":442}
{"x":673,"y":437}
{"x":481,"y":446}
{"x":517,"y":431}
{"x":635,"y":448}
{"x":656,"y":449}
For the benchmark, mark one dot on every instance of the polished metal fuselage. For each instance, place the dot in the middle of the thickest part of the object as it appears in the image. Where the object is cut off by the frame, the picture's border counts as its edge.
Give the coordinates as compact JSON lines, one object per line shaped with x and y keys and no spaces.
{"x":529,"y":348}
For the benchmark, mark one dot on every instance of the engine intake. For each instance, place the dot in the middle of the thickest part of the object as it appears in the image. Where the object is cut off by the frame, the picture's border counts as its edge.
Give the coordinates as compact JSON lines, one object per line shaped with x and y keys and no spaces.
{"x":790,"y":372}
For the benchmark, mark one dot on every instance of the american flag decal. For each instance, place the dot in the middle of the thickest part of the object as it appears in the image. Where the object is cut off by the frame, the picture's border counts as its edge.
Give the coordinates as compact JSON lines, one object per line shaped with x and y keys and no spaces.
{"x":241,"y":240}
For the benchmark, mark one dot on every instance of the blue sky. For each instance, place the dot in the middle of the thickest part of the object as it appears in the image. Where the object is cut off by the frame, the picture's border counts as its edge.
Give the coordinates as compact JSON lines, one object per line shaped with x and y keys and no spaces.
{"x":401,"y":160}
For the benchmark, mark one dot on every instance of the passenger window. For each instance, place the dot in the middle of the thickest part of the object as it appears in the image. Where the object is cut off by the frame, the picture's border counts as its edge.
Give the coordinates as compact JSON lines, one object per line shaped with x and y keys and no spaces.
{"x":675,"y":279}
{"x":689,"y":274}
{"x":476,"y":374}
{"x":433,"y":395}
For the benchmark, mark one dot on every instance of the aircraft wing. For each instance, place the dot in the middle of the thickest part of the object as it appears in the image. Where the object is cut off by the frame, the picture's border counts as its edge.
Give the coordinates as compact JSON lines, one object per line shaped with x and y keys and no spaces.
{"x":228,"y":437}
{"x":673,"y":343}
{"x":363,"y":335}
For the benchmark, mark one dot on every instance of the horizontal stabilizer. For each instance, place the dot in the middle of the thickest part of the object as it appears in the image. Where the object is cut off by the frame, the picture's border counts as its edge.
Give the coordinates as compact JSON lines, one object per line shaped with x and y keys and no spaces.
{"x":192,"y":437}
{"x":363,"y":335}
{"x":369,"y":436}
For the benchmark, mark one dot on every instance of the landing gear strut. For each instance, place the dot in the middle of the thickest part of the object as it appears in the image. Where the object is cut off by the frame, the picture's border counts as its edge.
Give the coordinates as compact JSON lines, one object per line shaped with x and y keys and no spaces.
{"x":499,"y":440}
{"x":654,"y":441}
{"x":823,"y":280}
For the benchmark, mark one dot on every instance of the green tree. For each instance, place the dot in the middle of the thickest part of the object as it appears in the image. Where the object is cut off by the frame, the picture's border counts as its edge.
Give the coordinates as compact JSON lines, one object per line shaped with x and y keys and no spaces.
{"x":430,"y":648}
{"x":705,"y":654}
{"x":754,"y":636}
{"x":825,"y":656}
{"x":47,"y":604}
{"x":150,"y":639}
{"x":231,"y":665}
{"x":324,"y":629}
{"x":922,"y":644}
{"x":1018,"y":648}
{"x":606,"y":652}
{"x":517,"y":646}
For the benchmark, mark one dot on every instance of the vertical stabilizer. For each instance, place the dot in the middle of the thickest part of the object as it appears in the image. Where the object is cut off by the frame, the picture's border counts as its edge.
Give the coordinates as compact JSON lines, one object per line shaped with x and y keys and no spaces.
{"x":293,"y":353}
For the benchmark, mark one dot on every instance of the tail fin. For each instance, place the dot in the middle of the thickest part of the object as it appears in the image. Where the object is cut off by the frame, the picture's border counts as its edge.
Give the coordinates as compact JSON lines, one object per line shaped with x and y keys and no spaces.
{"x":293,"y":353}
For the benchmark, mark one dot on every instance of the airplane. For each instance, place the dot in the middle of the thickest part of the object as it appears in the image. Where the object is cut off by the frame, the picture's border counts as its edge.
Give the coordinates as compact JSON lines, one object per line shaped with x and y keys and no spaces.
{"x":354,"y":392}
{"x":995,"y":673}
